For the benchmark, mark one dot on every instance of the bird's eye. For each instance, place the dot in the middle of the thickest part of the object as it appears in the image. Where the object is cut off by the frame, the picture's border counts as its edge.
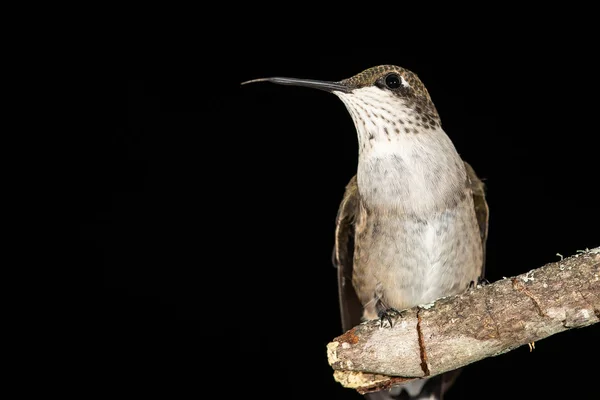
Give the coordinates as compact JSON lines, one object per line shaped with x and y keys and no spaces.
{"x":393,"y":81}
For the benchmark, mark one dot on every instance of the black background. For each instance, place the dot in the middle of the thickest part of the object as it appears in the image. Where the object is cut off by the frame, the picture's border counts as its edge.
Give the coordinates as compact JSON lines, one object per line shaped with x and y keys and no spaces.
{"x":214,"y":204}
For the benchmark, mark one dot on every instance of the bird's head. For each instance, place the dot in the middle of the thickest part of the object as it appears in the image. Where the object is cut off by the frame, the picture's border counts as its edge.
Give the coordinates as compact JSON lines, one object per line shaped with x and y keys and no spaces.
{"x":385,"y":102}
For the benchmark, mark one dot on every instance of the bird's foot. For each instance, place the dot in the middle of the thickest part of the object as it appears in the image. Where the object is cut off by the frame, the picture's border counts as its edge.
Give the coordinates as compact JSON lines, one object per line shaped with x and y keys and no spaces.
{"x":387,"y":315}
{"x":481,"y":281}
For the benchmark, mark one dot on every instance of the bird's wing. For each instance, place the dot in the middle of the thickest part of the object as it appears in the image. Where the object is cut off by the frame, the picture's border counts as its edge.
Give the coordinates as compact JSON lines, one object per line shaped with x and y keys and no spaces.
{"x":343,"y":255}
{"x":481,"y":209}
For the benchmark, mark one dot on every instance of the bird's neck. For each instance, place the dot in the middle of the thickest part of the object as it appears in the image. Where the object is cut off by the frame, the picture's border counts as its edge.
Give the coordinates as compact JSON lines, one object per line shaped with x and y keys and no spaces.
{"x":416,"y":173}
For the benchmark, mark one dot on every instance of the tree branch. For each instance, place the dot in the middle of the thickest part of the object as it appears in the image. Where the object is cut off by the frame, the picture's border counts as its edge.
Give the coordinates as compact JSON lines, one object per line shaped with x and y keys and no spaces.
{"x":459,"y":330}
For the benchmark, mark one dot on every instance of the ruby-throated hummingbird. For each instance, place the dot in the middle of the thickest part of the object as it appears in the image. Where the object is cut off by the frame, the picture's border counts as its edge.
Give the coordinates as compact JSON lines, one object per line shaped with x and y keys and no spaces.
{"x":412,"y":224}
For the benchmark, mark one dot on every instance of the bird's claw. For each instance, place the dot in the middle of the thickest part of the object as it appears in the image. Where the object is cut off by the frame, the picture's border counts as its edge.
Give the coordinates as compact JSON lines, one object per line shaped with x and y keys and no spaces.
{"x":388,"y":314}
{"x":480,"y":282}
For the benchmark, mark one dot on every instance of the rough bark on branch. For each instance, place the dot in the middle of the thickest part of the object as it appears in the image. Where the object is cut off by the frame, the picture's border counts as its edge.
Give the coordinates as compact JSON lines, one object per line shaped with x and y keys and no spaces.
{"x":459,"y":330}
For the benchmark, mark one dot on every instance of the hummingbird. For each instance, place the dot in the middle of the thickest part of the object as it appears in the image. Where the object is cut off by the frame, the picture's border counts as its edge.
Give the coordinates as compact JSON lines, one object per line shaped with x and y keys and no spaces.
{"x":412,"y":224}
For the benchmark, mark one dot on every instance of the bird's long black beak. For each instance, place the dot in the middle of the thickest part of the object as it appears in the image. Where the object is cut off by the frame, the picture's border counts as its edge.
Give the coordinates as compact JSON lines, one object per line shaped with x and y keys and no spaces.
{"x":321,"y":85}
